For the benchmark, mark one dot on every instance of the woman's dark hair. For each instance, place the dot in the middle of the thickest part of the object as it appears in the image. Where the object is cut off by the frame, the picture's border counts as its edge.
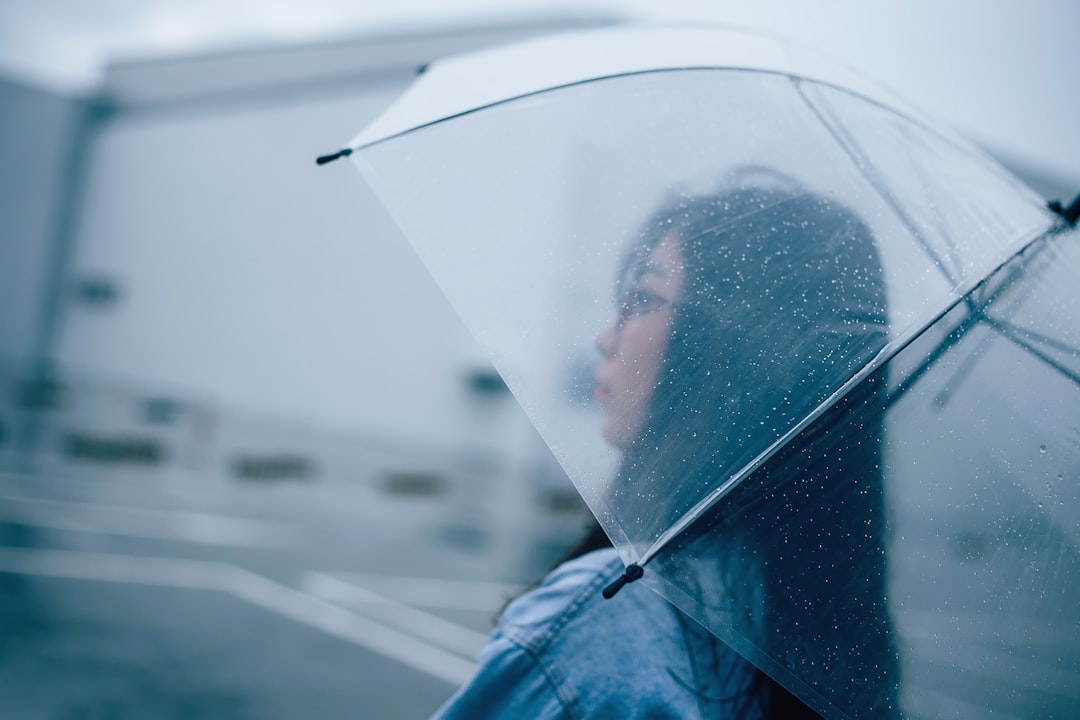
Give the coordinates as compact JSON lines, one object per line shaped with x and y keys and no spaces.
{"x":782,"y":297}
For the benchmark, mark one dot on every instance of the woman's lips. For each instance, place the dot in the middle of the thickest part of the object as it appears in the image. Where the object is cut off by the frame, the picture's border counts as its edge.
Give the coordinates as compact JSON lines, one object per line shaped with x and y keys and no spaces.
{"x":602,"y":393}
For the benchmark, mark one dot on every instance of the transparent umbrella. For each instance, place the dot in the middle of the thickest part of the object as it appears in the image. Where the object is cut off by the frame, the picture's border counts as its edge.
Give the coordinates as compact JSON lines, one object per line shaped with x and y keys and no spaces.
{"x":810,"y":360}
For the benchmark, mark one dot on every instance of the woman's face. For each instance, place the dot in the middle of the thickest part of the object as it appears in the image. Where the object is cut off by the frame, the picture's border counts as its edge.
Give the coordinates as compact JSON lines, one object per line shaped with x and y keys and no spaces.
{"x":633,"y":346}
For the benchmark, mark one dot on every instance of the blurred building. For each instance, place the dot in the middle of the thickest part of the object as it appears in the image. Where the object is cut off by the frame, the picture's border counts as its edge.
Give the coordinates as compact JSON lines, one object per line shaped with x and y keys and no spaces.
{"x":185,"y":291}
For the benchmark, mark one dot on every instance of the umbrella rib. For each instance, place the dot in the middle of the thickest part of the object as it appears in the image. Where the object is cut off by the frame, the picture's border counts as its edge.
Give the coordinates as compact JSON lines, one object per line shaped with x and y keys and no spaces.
{"x":1010,"y":334}
{"x":736,"y":479}
{"x":949,"y":342}
{"x":1038,"y":337}
{"x":954,"y":336}
{"x":875,"y":102}
{"x":1013,"y":333}
{"x":967,"y":365}
{"x":883,"y":356}
{"x":849,"y":146}
{"x":939,"y":220}
{"x":975,"y":316}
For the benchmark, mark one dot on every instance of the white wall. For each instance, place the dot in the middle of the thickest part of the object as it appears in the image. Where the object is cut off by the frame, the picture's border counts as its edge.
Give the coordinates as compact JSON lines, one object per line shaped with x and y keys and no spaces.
{"x":246,"y":273}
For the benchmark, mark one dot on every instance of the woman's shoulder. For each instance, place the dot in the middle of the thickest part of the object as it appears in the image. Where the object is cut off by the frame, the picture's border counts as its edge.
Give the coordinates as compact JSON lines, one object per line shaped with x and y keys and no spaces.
{"x":634,"y":655}
{"x":563,"y":651}
{"x":566,"y":592}
{"x":568,"y":618}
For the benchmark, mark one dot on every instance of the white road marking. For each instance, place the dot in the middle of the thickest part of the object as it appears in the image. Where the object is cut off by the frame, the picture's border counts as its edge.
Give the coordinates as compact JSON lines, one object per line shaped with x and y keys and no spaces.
{"x":247,"y":586}
{"x":191,"y":527}
{"x":449,"y":635}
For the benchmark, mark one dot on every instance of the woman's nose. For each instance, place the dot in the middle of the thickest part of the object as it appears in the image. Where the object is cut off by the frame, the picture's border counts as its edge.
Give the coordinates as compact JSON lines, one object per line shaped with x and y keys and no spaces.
{"x":605,"y":340}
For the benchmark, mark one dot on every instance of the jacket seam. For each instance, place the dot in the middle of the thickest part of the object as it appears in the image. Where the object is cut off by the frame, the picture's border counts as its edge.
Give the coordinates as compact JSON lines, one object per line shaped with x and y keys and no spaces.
{"x":535,"y":648}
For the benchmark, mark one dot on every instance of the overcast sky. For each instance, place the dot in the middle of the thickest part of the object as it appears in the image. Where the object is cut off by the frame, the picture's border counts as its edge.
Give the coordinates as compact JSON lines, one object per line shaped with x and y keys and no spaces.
{"x":998,"y":70}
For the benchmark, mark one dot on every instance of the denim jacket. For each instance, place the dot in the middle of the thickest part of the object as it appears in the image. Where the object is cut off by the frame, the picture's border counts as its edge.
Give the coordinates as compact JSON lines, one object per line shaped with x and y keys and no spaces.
{"x":562,"y":651}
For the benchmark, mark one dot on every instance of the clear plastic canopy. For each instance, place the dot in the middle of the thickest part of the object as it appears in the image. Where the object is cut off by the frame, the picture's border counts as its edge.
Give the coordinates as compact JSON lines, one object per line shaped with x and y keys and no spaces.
{"x":780,"y":335}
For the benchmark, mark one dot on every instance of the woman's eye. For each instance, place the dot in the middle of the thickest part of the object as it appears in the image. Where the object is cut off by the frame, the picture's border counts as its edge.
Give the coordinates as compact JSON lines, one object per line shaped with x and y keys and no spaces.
{"x":641,"y":302}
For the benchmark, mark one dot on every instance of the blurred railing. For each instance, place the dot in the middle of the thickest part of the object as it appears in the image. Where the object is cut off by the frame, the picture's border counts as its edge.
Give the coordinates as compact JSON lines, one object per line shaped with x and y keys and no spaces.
{"x":104,"y":441}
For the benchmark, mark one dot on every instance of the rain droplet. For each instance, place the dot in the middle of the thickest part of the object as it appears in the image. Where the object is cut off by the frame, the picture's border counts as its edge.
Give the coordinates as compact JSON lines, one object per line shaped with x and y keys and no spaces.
{"x":1042,"y":448}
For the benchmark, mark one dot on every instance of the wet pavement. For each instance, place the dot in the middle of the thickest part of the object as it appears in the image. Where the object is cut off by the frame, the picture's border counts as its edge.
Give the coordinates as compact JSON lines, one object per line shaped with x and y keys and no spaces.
{"x":138,"y":597}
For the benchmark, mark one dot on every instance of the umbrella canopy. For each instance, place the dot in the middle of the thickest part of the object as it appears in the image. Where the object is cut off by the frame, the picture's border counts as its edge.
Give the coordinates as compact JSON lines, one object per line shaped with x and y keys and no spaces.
{"x":810,"y":360}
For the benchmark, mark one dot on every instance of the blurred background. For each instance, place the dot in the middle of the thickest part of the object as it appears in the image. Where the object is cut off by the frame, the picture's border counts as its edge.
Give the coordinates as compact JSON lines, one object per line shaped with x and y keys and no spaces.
{"x":251,"y":464}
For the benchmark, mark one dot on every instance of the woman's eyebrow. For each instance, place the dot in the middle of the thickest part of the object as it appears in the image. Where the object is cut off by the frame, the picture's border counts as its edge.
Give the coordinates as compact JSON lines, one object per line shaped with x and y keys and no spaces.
{"x":657,"y":270}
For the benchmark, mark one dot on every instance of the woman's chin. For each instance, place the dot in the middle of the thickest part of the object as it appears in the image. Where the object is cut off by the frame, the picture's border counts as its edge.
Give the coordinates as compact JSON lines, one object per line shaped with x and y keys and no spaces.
{"x":615,"y":434}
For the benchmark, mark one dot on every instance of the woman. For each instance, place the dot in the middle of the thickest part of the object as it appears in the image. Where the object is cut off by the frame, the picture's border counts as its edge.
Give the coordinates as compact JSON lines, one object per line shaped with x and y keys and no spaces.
{"x":693,"y":387}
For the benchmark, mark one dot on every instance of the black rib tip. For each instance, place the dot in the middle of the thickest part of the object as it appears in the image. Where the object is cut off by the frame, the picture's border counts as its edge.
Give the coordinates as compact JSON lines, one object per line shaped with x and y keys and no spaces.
{"x":323,"y":159}
{"x":633,"y":572}
{"x":1071,"y":214}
